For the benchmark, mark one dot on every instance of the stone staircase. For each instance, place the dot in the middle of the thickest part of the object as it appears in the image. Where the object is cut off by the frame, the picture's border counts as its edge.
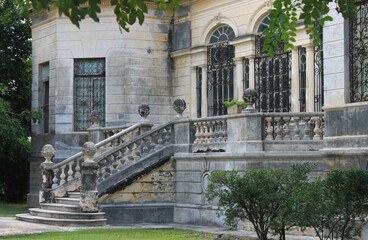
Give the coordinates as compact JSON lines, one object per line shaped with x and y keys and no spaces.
{"x":71,"y":189}
{"x":65,"y":211}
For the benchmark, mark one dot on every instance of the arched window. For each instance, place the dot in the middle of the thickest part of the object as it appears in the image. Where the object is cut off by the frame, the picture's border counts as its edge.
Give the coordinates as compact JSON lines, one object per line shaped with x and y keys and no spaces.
{"x":272,"y":75}
{"x":222,"y":34}
{"x":220,"y":67}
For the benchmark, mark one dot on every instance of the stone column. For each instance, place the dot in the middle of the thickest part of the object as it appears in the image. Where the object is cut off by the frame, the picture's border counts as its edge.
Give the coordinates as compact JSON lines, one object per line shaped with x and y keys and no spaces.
{"x":45,"y":194}
{"x":89,"y":193}
{"x":252,"y":79}
{"x":239,"y":75}
{"x":204,"y":92}
{"x":295,"y":85}
{"x":95,"y":134}
{"x":310,"y":79}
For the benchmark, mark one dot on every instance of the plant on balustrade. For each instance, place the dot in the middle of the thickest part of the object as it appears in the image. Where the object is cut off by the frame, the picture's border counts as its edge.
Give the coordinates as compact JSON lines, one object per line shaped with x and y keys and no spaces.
{"x":235,"y":102}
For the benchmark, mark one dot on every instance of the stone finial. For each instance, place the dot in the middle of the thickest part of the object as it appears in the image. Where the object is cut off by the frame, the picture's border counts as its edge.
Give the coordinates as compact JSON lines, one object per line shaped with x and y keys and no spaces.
{"x":179,"y":106}
{"x":250,"y":96}
{"x":89,"y":150}
{"x":95,"y":118}
{"x":48,"y":152}
{"x":144,"y":110}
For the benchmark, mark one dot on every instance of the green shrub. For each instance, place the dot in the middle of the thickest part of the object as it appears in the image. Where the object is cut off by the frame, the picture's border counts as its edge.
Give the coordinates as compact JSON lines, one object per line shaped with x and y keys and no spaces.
{"x":259,"y":196}
{"x":335,"y":207}
{"x":234,"y":102}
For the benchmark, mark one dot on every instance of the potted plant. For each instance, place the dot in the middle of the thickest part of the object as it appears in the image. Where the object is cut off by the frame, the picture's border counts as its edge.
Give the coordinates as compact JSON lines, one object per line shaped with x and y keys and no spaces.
{"x":235,"y":106}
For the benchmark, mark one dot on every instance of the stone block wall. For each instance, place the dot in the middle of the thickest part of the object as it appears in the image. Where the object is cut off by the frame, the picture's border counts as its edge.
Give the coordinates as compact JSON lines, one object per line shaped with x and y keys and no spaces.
{"x":148,"y":199}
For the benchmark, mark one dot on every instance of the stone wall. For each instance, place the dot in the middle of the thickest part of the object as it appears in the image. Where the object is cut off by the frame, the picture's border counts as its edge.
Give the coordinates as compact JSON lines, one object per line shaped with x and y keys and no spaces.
{"x":148,"y":199}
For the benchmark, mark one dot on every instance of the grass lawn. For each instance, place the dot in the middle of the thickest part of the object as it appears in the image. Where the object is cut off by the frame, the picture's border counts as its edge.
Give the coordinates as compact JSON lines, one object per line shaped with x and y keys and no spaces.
{"x":10,"y":209}
{"x":125,"y":234}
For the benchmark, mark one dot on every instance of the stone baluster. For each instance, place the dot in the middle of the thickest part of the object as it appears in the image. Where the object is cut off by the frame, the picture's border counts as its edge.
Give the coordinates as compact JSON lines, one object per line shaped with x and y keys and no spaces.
{"x":145,"y":149}
{"x":196,"y":125}
{"x":115,"y":162}
{"x":153,"y":143}
{"x":137,"y":150}
{"x":287,"y":129}
{"x":89,"y":193}
{"x":130,"y":157}
{"x":168,"y":135}
{"x":122,"y":158}
{"x":220,"y":132}
{"x":224,"y":131}
{"x":77,"y":173}
{"x":317,"y":130}
{"x":47,"y":174}
{"x":278,"y":131}
{"x":70,"y":171}
{"x":160,"y":141}
{"x":306,"y":128}
{"x":269,"y":130}
{"x":55,"y":179}
{"x":296,"y":128}
{"x":205,"y":132}
{"x":216,"y":131}
{"x":210,"y":133}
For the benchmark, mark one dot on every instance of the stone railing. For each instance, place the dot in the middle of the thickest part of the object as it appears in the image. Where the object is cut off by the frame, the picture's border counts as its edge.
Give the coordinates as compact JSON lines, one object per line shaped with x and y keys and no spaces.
{"x":111,"y":131}
{"x":293,"y":126}
{"x":131,"y":152}
{"x":69,"y":169}
{"x":210,"y":133}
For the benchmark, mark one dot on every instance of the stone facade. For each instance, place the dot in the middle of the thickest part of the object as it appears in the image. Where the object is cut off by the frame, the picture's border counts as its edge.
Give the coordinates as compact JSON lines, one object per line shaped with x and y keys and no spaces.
{"x":167,"y":58}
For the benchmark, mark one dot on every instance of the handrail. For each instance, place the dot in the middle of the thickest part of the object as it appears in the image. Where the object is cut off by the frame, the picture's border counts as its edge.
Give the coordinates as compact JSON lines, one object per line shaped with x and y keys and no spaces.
{"x":140,"y":137}
{"x":98,"y":145}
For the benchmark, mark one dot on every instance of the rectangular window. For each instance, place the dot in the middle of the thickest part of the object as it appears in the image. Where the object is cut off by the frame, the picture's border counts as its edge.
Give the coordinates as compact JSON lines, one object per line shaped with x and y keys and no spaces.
{"x":45,"y":83}
{"x":302,"y":78}
{"x":89,"y":91}
{"x":199,"y":92}
{"x":358,"y":57}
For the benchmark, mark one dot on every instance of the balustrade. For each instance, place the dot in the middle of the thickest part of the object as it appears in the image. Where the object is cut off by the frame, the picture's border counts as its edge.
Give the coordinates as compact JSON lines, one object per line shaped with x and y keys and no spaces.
{"x":133,"y":151}
{"x":293,"y":126}
{"x":210,"y":131}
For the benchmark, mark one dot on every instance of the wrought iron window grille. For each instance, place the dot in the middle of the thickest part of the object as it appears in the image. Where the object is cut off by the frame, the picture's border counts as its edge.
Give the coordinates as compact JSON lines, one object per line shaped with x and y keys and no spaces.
{"x":89,"y":91}
{"x":273,"y":78}
{"x":358,"y":55}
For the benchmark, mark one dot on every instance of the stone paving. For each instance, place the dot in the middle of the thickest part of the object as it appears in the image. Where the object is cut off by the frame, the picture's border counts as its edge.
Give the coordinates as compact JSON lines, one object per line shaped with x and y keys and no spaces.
{"x":9,"y":226}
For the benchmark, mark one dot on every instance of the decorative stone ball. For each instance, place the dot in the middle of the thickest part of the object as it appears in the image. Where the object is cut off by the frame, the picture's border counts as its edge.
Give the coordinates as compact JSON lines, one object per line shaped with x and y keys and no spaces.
{"x":89,"y":150}
{"x":179,"y":105}
{"x":48,"y":152}
{"x":95,"y":117}
{"x":250,"y":96}
{"x":144,"y":110}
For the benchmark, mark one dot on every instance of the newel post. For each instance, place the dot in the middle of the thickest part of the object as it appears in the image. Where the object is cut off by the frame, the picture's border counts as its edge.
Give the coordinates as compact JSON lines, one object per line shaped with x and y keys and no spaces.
{"x":45,"y":195}
{"x":89,"y":193}
{"x":95,"y":133}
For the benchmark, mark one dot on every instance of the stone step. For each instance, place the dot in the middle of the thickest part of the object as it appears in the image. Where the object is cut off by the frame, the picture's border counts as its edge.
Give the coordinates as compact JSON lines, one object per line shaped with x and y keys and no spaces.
{"x":66,"y":200}
{"x":65,"y":215}
{"x":62,"y":222}
{"x":74,"y":195}
{"x":60,"y":207}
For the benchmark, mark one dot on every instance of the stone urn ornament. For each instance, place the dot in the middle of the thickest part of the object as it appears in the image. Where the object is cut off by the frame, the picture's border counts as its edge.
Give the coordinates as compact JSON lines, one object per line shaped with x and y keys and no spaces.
{"x":96,"y":118}
{"x":89,"y":151}
{"x":179,"y":106}
{"x":143,"y":111}
{"x":250,"y":96}
{"x":48,"y":152}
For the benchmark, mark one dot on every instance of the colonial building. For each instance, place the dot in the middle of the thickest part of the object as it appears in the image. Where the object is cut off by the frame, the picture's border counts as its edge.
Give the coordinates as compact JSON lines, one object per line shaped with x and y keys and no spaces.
{"x":206,"y":52}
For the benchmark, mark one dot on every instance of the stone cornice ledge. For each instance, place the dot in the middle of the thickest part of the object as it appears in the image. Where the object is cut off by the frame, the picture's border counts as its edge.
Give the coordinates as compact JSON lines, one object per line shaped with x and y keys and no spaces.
{"x":347,"y":105}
